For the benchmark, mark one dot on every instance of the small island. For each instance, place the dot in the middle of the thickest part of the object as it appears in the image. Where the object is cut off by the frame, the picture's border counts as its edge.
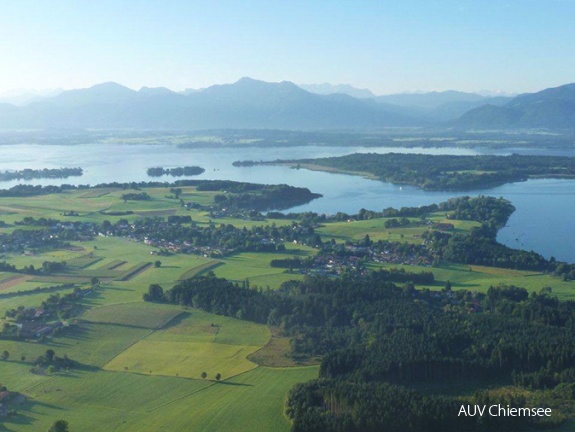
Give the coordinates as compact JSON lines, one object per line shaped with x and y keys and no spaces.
{"x":29,"y":174}
{"x":175,"y":172}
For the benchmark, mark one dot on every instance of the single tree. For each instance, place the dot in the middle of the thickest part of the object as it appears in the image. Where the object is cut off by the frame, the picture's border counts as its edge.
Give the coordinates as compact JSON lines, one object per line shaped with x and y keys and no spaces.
{"x":204,"y":375}
{"x":218,"y":376}
{"x":5,"y":355}
{"x":157,"y":263}
{"x":49,"y":355}
{"x":59,"y":426}
{"x":155,"y":294}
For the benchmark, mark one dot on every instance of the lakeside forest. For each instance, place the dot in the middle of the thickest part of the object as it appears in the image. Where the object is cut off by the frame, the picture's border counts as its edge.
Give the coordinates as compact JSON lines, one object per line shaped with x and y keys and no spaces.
{"x":154,"y":297}
{"x":440,"y":172}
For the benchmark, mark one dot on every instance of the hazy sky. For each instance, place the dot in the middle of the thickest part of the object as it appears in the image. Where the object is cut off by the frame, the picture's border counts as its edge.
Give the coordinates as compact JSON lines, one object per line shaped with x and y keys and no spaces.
{"x":386,"y":46}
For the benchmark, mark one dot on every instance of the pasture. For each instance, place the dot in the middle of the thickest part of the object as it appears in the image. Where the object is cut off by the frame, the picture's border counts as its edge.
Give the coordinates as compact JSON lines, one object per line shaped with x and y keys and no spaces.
{"x":193,"y":343}
{"x":185,"y":359}
{"x":106,"y":401}
{"x":480,"y":278}
{"x":142,"y":362}
{"x":145,"y":315}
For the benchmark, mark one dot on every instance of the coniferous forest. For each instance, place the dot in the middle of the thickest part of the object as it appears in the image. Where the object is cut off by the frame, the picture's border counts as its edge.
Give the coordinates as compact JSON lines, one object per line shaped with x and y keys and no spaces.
{"x":381,"y":343}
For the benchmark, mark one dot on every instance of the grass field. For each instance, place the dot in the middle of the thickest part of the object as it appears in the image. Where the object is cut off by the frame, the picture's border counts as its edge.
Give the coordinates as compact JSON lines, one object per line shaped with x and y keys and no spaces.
{"x":146,"y":315}
{"x":117,"y":398}
{"x":185,"y":359}
{"x":249,"y":402}
{"x":143,"y":362}
{"x":193,"y":343}
{"x":480,"y":278}
{"x":256,"y":267}
{"x":375,"y":228}
{"x":119,"y":401}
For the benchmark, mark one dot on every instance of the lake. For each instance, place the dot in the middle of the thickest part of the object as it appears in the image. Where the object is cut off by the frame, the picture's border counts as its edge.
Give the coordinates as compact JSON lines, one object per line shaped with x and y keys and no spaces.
{"x":542,"y":222}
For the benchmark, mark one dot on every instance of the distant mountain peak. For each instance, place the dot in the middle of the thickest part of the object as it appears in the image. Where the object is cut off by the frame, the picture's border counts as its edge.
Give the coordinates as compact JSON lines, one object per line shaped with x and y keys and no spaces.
{"x":247,"y":81}
{"x":109,"y":86}
{"x":346,"y":89}
{"x":155,"y":91}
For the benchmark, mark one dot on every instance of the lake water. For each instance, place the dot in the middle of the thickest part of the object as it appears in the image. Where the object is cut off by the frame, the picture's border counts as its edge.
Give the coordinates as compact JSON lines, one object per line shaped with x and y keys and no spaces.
{"x":542,"y":222}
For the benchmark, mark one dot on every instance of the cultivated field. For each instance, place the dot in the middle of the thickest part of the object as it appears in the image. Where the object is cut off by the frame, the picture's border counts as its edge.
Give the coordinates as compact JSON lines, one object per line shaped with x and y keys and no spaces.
{"x":142,"y":363}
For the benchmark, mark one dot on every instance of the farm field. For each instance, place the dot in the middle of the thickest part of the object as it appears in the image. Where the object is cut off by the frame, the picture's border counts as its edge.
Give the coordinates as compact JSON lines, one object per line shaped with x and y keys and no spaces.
{"x":480,"y":278}
{"x":145,"y":315}
{"x":142,"y":363}
{"x":216,"y":344}
{"x":375,"y":228}
{"x":105,"y":401}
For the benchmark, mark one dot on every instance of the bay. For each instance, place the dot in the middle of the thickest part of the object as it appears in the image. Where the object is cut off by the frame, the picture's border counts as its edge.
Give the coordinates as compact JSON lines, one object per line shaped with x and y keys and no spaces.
{"x":542,"y":222}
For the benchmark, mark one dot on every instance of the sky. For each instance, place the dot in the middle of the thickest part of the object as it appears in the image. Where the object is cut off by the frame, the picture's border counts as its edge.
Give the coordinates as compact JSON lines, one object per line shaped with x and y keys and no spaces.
{"x":386,"y":46}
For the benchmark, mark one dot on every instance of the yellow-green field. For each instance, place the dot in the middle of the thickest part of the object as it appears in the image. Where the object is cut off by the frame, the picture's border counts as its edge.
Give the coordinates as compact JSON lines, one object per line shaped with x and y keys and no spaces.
{"x":146,"y":315}
{"x":186,"y":359}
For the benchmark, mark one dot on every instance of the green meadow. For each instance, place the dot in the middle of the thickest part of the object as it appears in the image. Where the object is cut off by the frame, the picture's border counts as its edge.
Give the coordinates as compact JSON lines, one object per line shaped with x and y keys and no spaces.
{"x":142,"y":363}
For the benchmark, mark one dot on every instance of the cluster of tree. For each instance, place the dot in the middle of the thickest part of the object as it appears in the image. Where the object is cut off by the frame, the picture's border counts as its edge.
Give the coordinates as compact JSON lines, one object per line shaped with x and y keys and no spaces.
{"x":116,"y":213}
{"x":175,"y":172}
{"x":30,"y":220}
{"x":132,"y":196}
{"x":272,"y":197}
{"x":59,"y":426}
{"x":51,"y":362}
{"x":481,"y":247}
{"x":35,"y":290}
{"x":396,"y":223}
{"x":29,"y":174}
{"x":179,"y":219}
{"x":485,"y":209}
{"x":56,"y":306}
{"x":446,"y":172}
{"x":48,"y":267}
{"x":290,"y":263}
{"x":403,"y":276}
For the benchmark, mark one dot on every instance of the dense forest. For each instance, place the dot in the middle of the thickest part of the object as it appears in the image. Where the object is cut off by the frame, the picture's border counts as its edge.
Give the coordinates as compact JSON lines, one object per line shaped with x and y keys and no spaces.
{"x":444,"y":172}
{"x":377,"y":340}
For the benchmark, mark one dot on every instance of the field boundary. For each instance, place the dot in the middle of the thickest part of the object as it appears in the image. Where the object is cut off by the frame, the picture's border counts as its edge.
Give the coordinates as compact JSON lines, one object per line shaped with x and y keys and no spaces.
{"x":133,"y":272}
{"x":196,"y":271}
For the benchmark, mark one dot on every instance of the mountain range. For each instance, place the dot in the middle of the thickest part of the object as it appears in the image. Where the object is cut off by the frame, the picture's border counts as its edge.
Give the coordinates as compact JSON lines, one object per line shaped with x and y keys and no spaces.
{"x":552,"y":108}
{"x":253,"y":104}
